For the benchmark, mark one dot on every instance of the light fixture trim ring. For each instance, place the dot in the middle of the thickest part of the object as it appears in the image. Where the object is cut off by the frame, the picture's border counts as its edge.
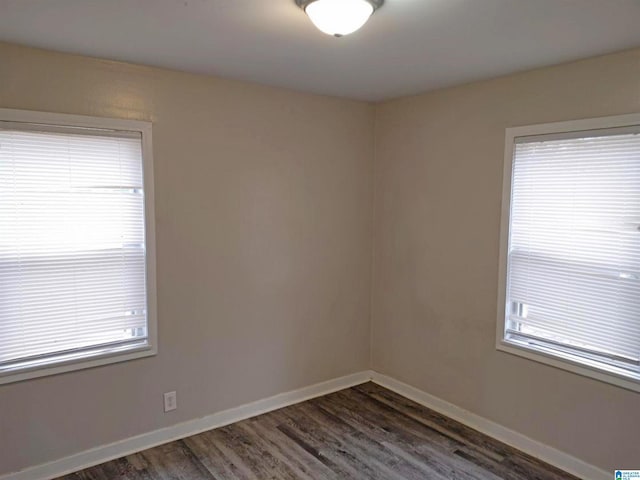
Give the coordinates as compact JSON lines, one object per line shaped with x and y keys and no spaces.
{"x":303,"y":4}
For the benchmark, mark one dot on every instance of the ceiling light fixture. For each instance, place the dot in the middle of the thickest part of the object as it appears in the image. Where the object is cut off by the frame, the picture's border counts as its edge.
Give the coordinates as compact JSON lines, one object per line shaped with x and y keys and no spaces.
{"x":339,"y":17}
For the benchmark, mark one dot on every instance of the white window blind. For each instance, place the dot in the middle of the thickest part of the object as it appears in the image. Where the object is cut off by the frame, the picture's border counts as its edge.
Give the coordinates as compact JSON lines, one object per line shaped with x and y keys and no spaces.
{"x":573,"y":275}
{"x":72,"y":244}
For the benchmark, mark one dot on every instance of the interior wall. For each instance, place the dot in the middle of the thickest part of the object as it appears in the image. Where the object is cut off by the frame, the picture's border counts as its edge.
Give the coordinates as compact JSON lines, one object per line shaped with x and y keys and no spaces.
{"x":264,"y":235}
{"x":437,"y":190}
{"x":263,"y":229}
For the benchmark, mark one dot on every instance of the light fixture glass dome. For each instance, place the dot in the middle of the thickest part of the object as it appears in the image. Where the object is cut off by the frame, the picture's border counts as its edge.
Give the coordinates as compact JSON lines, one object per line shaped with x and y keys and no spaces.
{"x":340,"y":17}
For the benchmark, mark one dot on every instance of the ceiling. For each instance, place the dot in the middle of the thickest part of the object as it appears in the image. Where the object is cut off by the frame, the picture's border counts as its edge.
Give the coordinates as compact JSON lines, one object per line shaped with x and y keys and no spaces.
{"x":408,"y":46}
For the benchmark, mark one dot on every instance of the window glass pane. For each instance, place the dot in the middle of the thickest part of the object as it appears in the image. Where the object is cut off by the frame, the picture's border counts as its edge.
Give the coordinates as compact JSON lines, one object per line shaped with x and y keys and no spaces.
{"x":72,"y":242}
{"x":574,"y":247}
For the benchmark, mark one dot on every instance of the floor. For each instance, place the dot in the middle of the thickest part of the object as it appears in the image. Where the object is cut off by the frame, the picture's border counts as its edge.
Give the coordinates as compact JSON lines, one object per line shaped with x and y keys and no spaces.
{"x":364,"y":432}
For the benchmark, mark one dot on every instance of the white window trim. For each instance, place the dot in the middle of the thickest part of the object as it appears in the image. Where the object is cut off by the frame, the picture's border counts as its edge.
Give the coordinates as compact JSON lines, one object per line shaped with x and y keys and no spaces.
{"x":564,"y":363}
{"x":108,"y":357}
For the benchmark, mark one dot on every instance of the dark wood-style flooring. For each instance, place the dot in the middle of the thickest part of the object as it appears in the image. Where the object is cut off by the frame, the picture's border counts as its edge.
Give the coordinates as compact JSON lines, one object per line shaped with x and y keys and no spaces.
{"x":364,"y":432}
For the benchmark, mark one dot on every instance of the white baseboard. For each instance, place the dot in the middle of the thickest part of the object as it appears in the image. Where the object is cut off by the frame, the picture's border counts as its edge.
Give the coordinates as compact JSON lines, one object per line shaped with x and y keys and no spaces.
{"x":131,"y":445}
{"x":525,"y":444}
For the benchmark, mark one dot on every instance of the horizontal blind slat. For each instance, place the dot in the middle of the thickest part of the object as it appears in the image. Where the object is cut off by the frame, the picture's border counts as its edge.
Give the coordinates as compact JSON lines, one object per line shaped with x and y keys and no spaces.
{"x":72,"y":255}
{"x":573,"y":270}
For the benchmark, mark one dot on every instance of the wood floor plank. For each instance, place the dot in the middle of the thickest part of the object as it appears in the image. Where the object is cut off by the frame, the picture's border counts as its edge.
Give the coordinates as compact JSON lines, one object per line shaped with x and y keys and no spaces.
{"x":222,"y":460}
{"x":174,"y":461}
{"x":432,"y":455}
{"x":344,"y":459}
{"x":381,"y":419}
{"x":384,"y":460}
{"x":365,"y":432}
{"x":304,"y":467}
{"x":259,"y":460}
{"x":498,"y":468}
{"x":391,"y":444}
{"x":436,"y":421}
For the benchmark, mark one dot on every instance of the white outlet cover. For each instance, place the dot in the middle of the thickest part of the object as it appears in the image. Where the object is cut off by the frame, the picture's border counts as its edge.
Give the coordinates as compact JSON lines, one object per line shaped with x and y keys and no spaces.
{"x":170,"y":401}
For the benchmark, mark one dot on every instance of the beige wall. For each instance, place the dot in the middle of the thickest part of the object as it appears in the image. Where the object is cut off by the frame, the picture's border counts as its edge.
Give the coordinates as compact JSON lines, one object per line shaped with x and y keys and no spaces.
{"x":437,"y":188}
{"x":263,"y":206}
{"x":264,"y":236}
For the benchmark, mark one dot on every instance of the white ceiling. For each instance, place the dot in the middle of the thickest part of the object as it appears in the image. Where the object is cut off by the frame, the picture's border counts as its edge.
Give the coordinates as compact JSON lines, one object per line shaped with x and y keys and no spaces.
{"x":408,"y":46}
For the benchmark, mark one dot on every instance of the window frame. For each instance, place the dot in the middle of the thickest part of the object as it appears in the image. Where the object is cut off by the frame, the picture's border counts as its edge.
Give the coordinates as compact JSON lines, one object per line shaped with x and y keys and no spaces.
{"x":113,"y":356}
{"x":567,"y":361}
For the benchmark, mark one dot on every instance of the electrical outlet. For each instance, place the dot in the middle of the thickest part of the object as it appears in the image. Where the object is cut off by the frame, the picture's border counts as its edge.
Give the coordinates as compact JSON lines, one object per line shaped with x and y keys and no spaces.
{"x":170,"y":401}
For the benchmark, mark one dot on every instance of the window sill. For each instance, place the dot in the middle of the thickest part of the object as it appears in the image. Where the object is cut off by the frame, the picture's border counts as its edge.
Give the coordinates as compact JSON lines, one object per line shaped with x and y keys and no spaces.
{"x":96,"y":359}
{"x":570,"y":363}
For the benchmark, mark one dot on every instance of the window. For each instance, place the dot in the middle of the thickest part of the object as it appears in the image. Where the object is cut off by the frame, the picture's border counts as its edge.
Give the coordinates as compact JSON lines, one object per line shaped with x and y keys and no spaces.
{"x":77,"y":275}
{"x":570,"y":256}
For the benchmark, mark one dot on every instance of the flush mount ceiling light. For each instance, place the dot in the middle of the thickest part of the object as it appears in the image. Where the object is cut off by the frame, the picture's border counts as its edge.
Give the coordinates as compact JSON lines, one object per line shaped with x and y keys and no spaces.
{"x":339,"y":17}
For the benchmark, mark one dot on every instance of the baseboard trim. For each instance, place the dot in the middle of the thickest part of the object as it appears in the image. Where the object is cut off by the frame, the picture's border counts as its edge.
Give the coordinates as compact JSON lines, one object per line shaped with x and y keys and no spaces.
{"x":131,"y":445}
{"x":534,"y":448}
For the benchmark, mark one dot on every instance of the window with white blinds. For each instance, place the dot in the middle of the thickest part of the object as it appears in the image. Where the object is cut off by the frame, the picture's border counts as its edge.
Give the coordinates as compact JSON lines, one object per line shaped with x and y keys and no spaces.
{"x":73,"y":256}
{"x":572,"y":287}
